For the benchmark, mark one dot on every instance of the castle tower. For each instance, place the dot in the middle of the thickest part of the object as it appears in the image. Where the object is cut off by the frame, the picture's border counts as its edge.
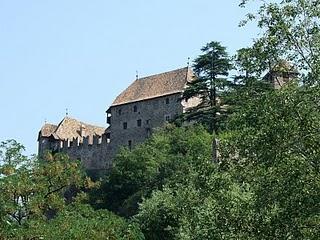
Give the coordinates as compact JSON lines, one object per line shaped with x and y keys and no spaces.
{"x":281,"y":74}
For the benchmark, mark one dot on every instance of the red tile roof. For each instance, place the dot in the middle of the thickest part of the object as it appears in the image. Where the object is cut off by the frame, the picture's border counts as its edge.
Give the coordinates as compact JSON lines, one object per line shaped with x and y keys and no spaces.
{"x":155,"y":86}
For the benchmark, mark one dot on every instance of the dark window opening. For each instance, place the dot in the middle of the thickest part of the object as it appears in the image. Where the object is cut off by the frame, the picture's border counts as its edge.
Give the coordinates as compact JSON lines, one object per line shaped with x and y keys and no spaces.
{"x":108,"y":136}
{"x":120,"y":111}
{"x":125,"y":125}
{"x":135,"y":108}
{"x":148,"y":121}
{"x":139,"y":122}
{"x":167,"y":118}
{"x":167,"y":101}
{"x":130,"y":144}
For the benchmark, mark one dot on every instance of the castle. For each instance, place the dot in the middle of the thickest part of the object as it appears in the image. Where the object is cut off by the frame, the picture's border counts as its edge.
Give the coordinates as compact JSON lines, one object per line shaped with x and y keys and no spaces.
{"x":148,"y":103}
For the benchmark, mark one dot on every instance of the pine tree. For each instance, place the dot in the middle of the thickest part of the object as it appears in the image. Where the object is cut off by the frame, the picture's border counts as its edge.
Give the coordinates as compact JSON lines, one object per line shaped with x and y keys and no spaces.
{"x":211,"y":68}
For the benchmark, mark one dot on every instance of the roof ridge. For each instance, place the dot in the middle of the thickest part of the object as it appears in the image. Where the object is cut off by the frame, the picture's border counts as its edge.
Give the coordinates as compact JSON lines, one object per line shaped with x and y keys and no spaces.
{"x":76,"y":120}
{"x":157,"y":85}
{"x":163,"y":73}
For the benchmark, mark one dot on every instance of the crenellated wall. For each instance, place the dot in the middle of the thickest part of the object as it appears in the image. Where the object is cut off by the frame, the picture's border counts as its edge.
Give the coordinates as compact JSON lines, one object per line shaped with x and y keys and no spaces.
{"x":91,"y":151}
{"x":130,"y":124}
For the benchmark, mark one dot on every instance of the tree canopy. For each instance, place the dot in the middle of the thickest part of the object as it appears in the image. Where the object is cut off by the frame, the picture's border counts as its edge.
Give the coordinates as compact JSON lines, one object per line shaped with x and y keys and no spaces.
{"x":46,"y":199}
{"x":211,"y":68}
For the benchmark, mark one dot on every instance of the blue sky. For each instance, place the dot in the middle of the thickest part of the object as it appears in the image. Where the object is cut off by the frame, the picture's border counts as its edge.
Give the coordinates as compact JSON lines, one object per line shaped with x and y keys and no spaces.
{"x":81,"y":54}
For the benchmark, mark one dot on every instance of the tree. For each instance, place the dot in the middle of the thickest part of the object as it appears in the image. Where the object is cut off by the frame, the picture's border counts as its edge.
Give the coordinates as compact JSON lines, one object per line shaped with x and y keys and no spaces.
{"x":169,"y":154}
{"x":37,"y":191}
{"x":267,"y":185}
{"x":32,"y":189}
{"x":273,"y":145}
{"x":211,"y":68}
{"x":80,"y":221}
{"x":206,"y":204}
{"x":290,"y":31}
{"x":45,"y":199}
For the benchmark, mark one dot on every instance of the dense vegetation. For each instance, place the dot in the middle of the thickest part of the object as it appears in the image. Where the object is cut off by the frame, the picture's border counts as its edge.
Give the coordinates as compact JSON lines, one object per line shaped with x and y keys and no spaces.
{"x":253,"y":174}
{"x":46,"y":199}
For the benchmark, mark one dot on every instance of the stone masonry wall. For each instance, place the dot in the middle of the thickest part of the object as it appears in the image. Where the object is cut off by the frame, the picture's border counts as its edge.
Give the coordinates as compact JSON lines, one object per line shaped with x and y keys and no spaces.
{"x":93,"y":156}
{"x":140,"y":119}
{"x":152,"y":113}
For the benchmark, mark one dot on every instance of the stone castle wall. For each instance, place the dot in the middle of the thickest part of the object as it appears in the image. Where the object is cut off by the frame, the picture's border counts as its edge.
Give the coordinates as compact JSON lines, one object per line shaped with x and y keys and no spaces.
{"x":92,"y":154}
{"x":132,"y":123}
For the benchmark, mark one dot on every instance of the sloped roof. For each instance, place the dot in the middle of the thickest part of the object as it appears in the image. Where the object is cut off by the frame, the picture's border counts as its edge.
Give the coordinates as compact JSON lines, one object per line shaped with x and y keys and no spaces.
{"x":48,"y":129}
{"x":284,"y":66}
{"x":70,"y":128}
{"x":155,"y":86}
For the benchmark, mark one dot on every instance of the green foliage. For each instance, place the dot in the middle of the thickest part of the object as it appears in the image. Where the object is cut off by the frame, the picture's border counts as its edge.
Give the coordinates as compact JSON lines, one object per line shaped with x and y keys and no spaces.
{"x":290,"y":30}
{"x":211,"y":68}
{"x":267,"y":185}
{"x":275,"y":141}
{"x":279,"y":123}
{"x":35,"y":191}
{"x":168,"y":154}
{"x":43,"y":199}
{"x":208,"y":205}
{"x":11,"y":153}
{"x":81,"y":222}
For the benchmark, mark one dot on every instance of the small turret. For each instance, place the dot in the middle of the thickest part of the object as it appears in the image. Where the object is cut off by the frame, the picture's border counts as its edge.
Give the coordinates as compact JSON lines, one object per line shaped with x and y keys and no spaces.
{"x":282,"y":73}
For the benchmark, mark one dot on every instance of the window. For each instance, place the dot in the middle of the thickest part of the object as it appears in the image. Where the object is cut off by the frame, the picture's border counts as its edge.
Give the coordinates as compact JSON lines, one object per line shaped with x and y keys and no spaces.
{"x":130,"y":144}
{"x":167,"y":118}
{"x":119,"y":111}
{"x":135,"y":108}
{"x":125,"y":125}
{"x":139,"y":122}
{"x":167,"y":101}
{"x":108,"y":136}
{"x":109,"y":119}
{"x":148,"y":121}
